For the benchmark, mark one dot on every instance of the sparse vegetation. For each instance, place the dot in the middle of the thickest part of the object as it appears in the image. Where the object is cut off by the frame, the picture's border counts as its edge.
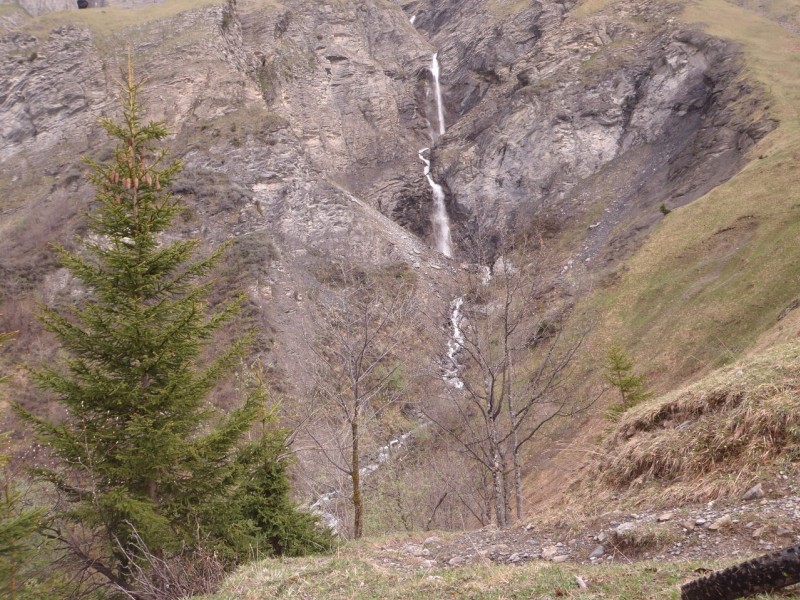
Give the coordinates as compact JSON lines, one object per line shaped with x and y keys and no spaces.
{"x":516,"y":367}
{"x":357,"y":371}
{"x":645,"y":537}
{"x":109,"y":20}
{"x":705,"y":265}
{"x":18,"y":524}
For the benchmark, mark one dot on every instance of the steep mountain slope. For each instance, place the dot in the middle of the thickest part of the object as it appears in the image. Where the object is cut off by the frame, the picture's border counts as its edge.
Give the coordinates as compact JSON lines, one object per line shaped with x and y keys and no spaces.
{"x":717,"y":277}
{"x":300,"y":125}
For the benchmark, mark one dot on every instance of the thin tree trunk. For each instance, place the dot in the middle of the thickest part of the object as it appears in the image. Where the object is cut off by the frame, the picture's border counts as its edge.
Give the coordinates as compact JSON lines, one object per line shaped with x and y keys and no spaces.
{"x":515,"y":451}
{"x":518,"y":478}
{"x":358,"y":506}
{"x":507,"y":494}
{"x":508,"y":382}
{"x":497,"y":475}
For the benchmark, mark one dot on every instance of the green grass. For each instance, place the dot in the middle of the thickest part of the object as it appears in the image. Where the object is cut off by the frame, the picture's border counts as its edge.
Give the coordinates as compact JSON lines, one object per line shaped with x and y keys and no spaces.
{"x":506,"y":8}
{"x":709,"y":283}
{"x":340,"y":578}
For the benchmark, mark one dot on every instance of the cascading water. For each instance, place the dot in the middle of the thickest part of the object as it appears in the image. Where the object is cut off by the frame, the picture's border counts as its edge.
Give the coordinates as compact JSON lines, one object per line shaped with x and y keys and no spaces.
{"x":454,"y":346}
{"x":437,"y":90}
{"x":441,"y":222}
{"x":325,"y":505}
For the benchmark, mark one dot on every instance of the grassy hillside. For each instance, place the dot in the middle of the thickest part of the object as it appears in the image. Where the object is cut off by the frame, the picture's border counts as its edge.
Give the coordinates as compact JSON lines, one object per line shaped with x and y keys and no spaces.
{"x":110,"y":19}
{"x":719,"y":277}
{"x":716,"y":274}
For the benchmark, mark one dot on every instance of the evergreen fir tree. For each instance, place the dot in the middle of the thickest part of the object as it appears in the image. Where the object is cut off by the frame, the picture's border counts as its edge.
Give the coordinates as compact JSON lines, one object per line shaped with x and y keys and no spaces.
{"x":142,"y":454}
{"x":620,"y":373}
{"x":18,"y":525}
{"x":280,"y":528}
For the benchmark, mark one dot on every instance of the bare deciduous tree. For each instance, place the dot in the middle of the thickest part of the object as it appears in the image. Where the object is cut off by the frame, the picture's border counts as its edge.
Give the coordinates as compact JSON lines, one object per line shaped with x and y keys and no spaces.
{"x":358,"y":372}
{"x":515,"y":362}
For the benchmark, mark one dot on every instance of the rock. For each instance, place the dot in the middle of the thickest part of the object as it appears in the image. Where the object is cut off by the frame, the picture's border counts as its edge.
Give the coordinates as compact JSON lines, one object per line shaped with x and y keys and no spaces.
{"x":722,"y":523}
{"x":688,"y":525}
{"x":457,"y":561}
{"x":665,"y":517}
{"x":754,"y":493}
{"x":597,"y":553}
{"x":560,"y":558}
{"x":516,"y":557}
{"x":624,"y":529}
{"x":432,"y":541}
{"x":700,"y":522}
{"x":601,"y":537}
{"x":499,"y":550}
{"x":549,"y":552}
{"x":783,"y":532}
{"x":415,"y":550}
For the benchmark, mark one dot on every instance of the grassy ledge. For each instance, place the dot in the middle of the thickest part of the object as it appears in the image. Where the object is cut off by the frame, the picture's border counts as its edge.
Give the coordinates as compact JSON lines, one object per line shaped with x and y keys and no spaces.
{"x":351,"y":577}
{"x":111,"y":20}
{"x":711,"y":439}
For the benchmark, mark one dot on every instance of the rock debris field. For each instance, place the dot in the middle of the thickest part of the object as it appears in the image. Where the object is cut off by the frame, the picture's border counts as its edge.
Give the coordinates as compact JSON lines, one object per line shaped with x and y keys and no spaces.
{"x":714,"y":531}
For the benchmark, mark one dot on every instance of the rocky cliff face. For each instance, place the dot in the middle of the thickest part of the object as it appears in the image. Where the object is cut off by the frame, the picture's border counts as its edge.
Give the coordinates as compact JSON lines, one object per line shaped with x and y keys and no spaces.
{"x":599,"y":118}
{"x":543,"y":104}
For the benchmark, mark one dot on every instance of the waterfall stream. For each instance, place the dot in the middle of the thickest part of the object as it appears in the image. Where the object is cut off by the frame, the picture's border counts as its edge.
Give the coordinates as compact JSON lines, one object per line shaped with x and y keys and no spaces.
{"x":441,"y":222}
{"x":437,"y":89}
{"x":325,"y":505}
{"x":454,"y":346}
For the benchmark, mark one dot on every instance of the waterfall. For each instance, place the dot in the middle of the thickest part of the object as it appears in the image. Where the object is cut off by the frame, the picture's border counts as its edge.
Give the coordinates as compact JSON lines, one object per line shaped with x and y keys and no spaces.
{"x":441,"y":222}
{"x":437,"y":89}
{"x":455,"y":345}
{"x":425,"y":160}
{"x":412,"y":19}
{"x":325,"y":506}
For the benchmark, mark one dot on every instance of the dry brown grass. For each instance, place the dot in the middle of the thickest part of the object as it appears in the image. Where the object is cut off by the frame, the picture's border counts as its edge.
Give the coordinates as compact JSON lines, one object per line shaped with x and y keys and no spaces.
{"x":711,"y":438}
